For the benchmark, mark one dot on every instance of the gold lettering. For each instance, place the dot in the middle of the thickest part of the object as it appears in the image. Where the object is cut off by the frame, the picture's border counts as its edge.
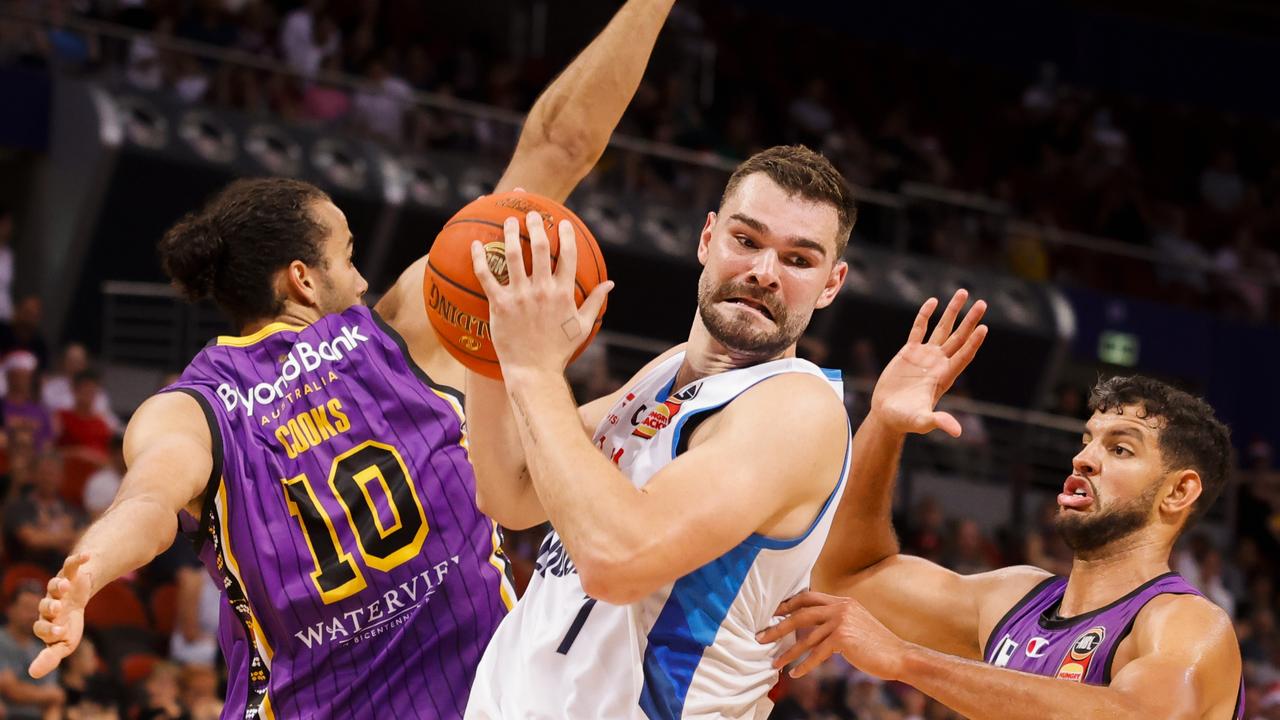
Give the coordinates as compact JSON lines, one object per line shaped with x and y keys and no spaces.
{"x":309,"y":429}
{"x":282,"y":434}
{"x":299,"y":437}
{"x":321,"y":419}
{"x":341,"y":421}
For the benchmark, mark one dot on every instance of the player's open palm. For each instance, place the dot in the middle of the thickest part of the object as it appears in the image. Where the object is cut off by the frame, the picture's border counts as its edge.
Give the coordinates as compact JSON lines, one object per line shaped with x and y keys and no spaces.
{"x":925,"y":369}
{"x":534,"y":318}
{"x":61,"y":623}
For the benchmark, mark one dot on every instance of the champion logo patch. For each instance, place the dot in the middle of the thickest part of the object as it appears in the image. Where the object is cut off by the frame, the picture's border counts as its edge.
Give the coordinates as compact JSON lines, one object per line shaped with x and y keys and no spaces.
{"x":1037,"y":647}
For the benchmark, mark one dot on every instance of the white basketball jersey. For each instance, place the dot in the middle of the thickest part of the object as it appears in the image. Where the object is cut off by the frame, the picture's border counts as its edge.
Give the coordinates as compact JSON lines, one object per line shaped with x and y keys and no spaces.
{"x":689,"y":649}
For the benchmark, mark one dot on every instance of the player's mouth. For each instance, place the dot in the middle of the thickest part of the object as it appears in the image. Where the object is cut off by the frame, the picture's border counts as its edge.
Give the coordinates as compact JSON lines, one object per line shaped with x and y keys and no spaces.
{"x":755,"y":305}
{"x":1077,"y":494}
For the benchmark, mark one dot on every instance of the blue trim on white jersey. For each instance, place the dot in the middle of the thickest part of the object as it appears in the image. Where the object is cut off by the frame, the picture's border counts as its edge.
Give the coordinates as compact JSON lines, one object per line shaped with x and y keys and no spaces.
{"x":665,"y":391}
{"x":686,"y":627}
{"x":767,"y":543}
{"x":832,"y":374}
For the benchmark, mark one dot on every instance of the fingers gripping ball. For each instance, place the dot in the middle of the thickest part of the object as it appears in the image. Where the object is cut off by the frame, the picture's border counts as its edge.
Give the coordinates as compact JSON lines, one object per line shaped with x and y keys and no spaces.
{"x":455,"y":302}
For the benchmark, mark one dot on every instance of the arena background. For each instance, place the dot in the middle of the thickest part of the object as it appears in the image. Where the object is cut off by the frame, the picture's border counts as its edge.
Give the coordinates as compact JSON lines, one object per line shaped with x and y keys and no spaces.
{"x":1106,"y":175}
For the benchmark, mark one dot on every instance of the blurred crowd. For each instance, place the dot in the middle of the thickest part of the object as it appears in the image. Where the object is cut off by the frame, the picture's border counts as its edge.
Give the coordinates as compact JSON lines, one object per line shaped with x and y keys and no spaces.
{"x":1193,"y":192}
{"x":1194,"y":187}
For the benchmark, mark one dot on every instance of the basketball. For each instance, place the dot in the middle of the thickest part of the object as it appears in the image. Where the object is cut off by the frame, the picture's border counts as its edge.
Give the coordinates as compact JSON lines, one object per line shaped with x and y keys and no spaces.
{"x":455,"y":302}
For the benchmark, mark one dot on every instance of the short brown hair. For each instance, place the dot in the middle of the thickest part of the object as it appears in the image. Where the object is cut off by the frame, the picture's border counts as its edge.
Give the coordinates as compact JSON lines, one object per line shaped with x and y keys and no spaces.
{"x":801,"y":171}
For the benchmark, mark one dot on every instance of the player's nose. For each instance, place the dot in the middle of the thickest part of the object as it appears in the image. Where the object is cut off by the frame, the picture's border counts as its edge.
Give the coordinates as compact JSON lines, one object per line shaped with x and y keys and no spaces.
{"x":1086,"y":461}
{"x":764,"y":269}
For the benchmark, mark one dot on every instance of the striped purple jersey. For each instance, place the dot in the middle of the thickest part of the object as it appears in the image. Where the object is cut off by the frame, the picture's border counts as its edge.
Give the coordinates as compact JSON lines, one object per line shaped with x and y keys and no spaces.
{"x":360,"y":578}
{"x":1033,"y":639}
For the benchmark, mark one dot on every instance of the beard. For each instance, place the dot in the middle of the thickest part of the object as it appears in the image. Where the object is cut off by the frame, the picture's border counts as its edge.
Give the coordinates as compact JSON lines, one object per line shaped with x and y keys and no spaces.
{"x":1086,"y":533}
{"x":738,"y":333}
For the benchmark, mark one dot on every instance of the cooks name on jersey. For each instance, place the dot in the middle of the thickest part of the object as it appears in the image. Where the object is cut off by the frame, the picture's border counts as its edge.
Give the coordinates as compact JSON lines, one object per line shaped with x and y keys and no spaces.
{"x":394,"y":608}
{"x":303,"y":357}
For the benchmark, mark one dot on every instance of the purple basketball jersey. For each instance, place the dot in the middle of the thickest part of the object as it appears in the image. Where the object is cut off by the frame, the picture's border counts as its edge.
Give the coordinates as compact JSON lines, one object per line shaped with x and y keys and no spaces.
{"x":1032,"y":638}
{"x":360,"y":579}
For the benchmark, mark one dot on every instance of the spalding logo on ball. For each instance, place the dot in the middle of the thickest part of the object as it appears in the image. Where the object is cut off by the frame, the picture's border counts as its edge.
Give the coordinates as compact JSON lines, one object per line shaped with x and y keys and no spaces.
{"x":455,"y":302}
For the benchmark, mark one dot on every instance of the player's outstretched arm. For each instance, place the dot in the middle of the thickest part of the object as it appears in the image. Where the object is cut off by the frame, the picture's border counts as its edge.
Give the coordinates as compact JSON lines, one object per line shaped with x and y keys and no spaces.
{"x":168,"y":450}
{"x":1187,"y":666}
{"x":903,"y":402}
{"x":569,"y":126}
{"x":564,"y":135}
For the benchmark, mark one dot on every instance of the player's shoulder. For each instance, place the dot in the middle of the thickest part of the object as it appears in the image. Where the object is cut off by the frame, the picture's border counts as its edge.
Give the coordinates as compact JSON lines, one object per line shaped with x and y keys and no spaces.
{"x":1174,"y":619}
{"x":394,"y":301}
{"x":804,"y":398}
{"x":1002,"y":590}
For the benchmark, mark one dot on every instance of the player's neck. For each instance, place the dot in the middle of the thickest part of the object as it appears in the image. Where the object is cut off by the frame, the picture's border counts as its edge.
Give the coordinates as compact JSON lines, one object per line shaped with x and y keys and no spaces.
{"x":1101,"y":579}
{"x":705,"y":356}
{"x":292,"y":314}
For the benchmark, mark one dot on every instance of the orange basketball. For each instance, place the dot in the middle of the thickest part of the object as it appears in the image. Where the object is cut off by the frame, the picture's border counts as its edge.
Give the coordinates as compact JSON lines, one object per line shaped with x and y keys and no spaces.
{"x":455,"y":302}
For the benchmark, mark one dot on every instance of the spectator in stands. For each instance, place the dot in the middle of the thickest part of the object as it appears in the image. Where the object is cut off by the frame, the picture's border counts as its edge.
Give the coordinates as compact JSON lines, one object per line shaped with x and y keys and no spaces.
{"x":200,"y":692}
{"x":82,"y":432}
{"x":969,"y":552}
{"x":380,"y":106}
{"x":20,"y":407}
{"x":24,"y":333}
{"x":40,"y":526}
{"x":82,"y":679}
{"x":926,"y":528}
{"x":160,"y":699}
{"x":26,"y":699}
{"x":102,"y":486}
{"x":307,"y":37}
{"x":57,"y":391}
{"x":195,"y":630}
{"x":324,"y":103}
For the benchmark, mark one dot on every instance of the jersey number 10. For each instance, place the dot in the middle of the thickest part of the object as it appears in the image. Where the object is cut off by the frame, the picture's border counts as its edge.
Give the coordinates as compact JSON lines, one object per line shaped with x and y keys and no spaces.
{"x":383,"y":546}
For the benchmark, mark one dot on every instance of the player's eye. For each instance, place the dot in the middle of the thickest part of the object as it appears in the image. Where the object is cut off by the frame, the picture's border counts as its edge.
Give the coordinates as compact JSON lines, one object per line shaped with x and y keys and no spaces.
{"x":1121,"y":451}
{"x":801,"y":262}
{"x":745,"y":241}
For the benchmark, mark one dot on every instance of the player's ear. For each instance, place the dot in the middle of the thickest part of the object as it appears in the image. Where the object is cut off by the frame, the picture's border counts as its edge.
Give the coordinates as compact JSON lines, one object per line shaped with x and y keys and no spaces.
{"x":1183,"y":493}
{"x":300,"y":283}
{"x":704,"y":240}
{"x":835,"y":281}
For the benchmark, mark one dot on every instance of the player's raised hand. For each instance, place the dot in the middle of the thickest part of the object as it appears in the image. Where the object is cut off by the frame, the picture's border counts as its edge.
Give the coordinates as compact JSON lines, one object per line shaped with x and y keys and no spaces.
{"x":925,"y":369}
{"x":61,"y":623}
{"x":837,"y":626}
{"x":534,"y":318}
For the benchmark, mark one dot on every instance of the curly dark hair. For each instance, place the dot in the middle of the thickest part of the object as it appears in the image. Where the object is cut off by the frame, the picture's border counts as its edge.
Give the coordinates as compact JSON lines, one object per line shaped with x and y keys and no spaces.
{"x":1191,"y":436}
{"x":231,"y":249}
{"x":803,"y":172}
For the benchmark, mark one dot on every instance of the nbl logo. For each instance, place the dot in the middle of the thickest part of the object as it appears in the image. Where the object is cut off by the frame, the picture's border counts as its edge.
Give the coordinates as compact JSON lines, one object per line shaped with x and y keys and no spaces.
{"x":1075,"y":665}
{"x":1087,"y":643}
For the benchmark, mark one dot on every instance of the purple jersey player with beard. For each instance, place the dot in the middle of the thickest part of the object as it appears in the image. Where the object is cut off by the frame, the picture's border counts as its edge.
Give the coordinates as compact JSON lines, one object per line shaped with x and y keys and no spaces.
{"x":1120,"y":637}
{"x":319,"y":459}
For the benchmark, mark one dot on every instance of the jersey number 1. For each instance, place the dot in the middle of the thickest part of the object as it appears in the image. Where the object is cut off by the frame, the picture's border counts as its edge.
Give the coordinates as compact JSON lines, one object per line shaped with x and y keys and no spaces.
{"x":383,"y":545}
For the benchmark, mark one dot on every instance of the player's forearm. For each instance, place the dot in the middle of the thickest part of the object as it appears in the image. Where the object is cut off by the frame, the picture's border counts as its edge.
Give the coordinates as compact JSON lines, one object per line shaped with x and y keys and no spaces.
{"x":504,"y":490}
{"x":591,"y":504}
{"x":578,"y":112}
{"x":980,"y":691}
{"x":130,"y":534}
{"x":862,"y":533}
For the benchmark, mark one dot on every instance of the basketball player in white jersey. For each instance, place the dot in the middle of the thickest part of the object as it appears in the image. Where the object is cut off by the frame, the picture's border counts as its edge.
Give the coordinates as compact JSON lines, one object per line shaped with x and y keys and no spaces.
{"x":691,"y":501}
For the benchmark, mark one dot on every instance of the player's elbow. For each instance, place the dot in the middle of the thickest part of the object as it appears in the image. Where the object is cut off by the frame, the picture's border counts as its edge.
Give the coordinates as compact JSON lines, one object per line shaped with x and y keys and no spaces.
{"x":612,"y":578}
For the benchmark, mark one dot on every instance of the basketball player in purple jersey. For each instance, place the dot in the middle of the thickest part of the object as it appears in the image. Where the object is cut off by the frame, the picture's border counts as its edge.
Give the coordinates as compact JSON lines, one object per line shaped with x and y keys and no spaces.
{"x":319,"y":458}
{"x":1120,"y":637}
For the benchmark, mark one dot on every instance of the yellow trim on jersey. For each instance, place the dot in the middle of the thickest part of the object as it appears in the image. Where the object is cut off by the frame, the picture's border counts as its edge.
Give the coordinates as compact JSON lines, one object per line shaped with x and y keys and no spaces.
{"x":233,"y":567}
{"x":247,"y":340}
{"x":505,"y":588}
{"x":267,"y":711}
